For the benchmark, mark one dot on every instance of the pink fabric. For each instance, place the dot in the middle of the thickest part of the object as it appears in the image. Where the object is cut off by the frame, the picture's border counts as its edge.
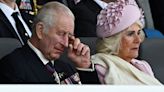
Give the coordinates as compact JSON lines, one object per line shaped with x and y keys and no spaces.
{"x":101,"y":71}
{"x":116,"y":17}
{"x":143,"y":66}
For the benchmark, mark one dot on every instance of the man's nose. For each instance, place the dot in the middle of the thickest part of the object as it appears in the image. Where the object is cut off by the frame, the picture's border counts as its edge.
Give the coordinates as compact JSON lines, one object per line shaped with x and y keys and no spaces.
{"x":65,"y":41}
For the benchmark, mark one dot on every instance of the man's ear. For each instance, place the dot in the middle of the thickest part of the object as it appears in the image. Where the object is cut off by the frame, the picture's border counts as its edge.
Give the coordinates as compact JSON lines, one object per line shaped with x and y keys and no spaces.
{"x":39,"y":30}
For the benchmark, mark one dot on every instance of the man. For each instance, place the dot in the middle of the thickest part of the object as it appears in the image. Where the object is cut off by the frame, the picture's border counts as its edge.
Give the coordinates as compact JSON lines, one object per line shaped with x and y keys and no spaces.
{"x":9,"y":26}
{"x":52,"y":32}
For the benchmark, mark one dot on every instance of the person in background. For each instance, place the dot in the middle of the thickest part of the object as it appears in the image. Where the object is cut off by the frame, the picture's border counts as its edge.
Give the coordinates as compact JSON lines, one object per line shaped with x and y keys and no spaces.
{"x":86,"y":12}
{"x":28,"y":9}
{"x":157,"y":14}
{"x":8,"y":22}
{"x":37,"y":61}
{"x":119,"y":31}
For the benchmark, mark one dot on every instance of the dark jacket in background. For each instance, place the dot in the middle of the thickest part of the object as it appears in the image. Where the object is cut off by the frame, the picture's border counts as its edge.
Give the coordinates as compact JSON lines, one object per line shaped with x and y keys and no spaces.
{"x":6,"y":29}
{"x":158,"y":14}
{"x":85,"y":13}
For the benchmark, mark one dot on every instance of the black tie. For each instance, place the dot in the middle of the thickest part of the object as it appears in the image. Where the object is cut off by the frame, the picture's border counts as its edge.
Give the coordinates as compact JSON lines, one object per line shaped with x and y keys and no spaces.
{"x":52,"y":71}
{"x":20,"y":28}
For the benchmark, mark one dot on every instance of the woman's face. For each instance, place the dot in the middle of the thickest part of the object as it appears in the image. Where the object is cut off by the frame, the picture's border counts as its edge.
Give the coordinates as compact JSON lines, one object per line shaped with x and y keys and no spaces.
{"x":130,"y":43}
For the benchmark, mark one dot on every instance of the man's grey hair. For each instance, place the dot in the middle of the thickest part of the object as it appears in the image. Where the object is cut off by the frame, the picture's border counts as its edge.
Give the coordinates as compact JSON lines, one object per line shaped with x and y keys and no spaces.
{"x":49,"y":14}
{"x":111,"y":45}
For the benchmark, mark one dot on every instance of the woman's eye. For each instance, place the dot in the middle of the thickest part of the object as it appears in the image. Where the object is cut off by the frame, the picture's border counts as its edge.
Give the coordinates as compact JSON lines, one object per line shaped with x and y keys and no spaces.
{"x":130,"y":33}
{"x":139,"y":32}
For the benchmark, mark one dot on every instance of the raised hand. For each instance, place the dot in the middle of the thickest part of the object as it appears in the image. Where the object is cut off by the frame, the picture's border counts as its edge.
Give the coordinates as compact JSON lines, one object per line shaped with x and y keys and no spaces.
{"x":79,"y":53}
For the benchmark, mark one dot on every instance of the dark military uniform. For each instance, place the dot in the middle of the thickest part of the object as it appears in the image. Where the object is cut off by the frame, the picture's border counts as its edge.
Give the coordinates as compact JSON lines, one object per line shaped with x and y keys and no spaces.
{"x":26,"y":8}
{"x":29,"y":8}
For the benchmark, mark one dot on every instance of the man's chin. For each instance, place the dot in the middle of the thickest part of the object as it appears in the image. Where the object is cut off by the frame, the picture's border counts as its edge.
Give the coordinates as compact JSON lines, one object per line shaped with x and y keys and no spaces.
{"x":54,"y":57}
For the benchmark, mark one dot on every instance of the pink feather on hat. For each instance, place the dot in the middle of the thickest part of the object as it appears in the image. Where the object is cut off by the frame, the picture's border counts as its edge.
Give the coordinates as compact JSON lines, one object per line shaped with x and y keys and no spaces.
{"x":117,"y":16}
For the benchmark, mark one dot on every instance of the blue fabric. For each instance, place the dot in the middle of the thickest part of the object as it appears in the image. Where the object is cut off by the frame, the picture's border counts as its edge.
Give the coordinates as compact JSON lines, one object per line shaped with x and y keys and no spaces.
{"x":153,"y":33}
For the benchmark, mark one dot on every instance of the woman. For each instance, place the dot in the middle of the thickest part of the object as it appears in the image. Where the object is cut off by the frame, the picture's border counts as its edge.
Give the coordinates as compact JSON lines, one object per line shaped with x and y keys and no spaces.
{"x":119,"y":29}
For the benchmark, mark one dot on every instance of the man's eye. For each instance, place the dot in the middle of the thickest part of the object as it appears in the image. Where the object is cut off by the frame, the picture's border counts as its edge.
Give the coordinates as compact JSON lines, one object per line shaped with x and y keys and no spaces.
{"x":61,"y":33}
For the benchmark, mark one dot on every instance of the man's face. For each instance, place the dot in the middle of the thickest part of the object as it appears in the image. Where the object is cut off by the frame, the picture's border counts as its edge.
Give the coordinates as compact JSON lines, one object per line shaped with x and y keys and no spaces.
{"x":56,"y":40}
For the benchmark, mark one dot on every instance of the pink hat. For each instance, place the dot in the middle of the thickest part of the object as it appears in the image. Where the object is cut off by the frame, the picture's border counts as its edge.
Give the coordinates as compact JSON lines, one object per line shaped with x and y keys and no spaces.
{"x":117,"y":16}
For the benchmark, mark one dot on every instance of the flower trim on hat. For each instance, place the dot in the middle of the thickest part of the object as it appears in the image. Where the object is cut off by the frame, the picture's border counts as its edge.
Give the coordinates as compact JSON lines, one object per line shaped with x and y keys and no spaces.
{"x":142,"y":18}
{"x":110,"y":16}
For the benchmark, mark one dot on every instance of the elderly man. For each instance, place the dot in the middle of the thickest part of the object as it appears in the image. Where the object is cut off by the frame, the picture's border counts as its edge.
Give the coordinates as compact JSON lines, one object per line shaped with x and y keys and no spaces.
{"x":37,"y":62}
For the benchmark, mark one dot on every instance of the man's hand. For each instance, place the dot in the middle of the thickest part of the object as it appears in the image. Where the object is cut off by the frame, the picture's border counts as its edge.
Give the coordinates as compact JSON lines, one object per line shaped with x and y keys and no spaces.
{"x":79,"y":53}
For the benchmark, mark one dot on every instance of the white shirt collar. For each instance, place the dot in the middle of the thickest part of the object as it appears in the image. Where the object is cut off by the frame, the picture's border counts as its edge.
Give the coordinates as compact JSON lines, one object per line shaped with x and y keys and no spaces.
{"x":38,"y":53}
{"x":8,"y":10}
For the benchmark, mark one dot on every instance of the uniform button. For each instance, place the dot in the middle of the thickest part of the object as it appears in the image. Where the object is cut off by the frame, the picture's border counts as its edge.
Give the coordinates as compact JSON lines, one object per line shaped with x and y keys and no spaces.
{"x":30,"y":21}
{"x":26,"y":34}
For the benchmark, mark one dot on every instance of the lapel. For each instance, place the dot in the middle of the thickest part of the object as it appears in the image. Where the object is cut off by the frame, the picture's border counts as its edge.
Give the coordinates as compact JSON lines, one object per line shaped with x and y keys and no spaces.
{"x":4,"y":20}
{"x":37,"y":67}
